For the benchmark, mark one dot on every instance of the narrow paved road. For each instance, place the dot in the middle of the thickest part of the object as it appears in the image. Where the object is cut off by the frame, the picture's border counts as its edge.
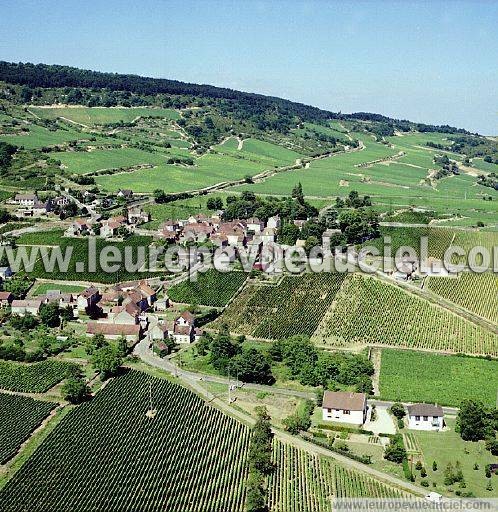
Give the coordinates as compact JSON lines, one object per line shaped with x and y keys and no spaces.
{"x":143,"y":351}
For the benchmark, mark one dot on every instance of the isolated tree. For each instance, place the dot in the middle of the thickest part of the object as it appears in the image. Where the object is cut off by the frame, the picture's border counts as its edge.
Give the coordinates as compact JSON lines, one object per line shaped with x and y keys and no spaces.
{"x":473,"y":421}
{"x":107,"y":361}
{"x":50,"y":314}
{"x":251,"y":365}
{"x":75,"y":390}
{"x":398,"y":410}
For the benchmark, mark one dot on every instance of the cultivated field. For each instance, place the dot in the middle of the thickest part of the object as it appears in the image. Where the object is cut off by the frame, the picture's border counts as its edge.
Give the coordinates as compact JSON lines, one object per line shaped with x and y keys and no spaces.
{"x":303,"y":482}
{"x":98,"y":115}
{"x":80,"y":253}
{"x":19,"y":416}
{"x":211,"y":288}
{"x":410,"y":376}
{"x":107,"y":454}
{"x":476,"y":292}
{"x":370,"y":311}
{"x":294,"y":306}
{"x":43,"y":288}
{"x":82,"y":162}
{"x":32,"y":378}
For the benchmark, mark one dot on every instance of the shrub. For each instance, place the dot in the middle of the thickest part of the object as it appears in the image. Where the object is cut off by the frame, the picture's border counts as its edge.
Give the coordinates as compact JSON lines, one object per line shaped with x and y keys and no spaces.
{"x":424,"y":483}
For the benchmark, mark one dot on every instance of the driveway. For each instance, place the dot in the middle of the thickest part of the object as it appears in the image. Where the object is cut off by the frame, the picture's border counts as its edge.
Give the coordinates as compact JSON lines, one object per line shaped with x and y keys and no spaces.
{"x":384,"y":423}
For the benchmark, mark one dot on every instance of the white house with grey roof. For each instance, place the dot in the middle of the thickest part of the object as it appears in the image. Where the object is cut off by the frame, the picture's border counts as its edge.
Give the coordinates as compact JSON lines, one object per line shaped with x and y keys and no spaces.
{"x":344,"y":407}
{"x":425,"y":417}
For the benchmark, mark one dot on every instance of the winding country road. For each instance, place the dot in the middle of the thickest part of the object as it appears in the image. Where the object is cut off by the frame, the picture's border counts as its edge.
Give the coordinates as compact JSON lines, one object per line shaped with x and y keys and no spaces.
{"x":143,"y":351}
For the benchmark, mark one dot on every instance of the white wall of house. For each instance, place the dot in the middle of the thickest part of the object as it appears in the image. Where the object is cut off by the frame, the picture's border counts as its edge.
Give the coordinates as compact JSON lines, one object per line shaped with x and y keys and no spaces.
{"x":425,"y":422}
{"x":182,"y":338}
{"x":343,"y":416}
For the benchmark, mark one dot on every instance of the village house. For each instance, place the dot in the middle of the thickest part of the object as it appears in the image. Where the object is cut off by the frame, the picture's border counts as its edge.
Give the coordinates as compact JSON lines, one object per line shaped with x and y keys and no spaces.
{"x":196,"y":233}
{"x":23,"y":307}
{"x":25,"y":200}
{"x":111,"y":226}
{"x":162,"y":303}
{"x":6,"y":299}
{"x":273,"y":222}
{"x":255,"y":225}
{"x":125,"y":314}
{"x":125,"y":193}
{"x":88,"y":298}
{"x":63,"y":299}
{"x":137,"y":216}
{"x":79,"y":227}
{"x":344,"y":407}
{"x":183,"y":329}
{"x":425,"y":417}
{"x":268,"y":235}
{"x":131,"y":332}
{"x":158,"y":332}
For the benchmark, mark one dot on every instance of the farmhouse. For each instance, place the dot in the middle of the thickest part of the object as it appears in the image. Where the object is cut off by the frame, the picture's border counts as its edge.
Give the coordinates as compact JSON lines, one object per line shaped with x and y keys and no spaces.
{"x":137,"y":216}
{"x":131,"y":332}
{"x":22,"y":307}
{"x":425,"y":417}
{"x":126,"y":193}
{"x":111,"y":226}
{"x":88,"y":298}
{"x":344,"y":407}
{"x":26,"y":200}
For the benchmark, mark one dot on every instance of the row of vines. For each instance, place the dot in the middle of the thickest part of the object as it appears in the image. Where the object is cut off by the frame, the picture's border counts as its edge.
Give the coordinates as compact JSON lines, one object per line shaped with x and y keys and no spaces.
{"x":108,"y":455}
{"x":303,"y":482}
{"x":477,"y":293}
{"x":32,"y":378}
{"x":369,"y":311}
{"x":295,"y":306}
{"x":19,"y":416}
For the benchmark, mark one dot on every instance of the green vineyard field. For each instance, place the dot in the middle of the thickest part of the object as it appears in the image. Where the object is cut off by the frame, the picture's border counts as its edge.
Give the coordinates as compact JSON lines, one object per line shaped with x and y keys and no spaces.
{"x":369,"y":311}
{"x":294,"y":306}
{"x":211,"y":288}
{"x":107,"y":455}
{"x":32,"y":378}
{"x":444,"y":379}
{"x":303,"y":482}
{"x":477,"y":293}
{"x":19,"y":416}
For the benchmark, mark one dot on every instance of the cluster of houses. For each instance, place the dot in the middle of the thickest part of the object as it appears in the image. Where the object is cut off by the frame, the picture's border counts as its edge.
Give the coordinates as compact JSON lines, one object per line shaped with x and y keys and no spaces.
{"x":108,"y":228}
{"x":201,"y":228}
{"x":124,"y":310}
{"x":31,"y":206}
{"x":352,"y":408}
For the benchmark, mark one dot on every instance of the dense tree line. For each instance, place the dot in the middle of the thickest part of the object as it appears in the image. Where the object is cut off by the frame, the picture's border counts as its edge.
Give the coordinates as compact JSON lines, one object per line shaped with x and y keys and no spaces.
{"x":269,"y":113}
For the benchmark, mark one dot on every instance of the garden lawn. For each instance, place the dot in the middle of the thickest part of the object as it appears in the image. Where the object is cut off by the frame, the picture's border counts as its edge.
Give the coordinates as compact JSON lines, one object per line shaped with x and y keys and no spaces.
{"x":448,"y":446}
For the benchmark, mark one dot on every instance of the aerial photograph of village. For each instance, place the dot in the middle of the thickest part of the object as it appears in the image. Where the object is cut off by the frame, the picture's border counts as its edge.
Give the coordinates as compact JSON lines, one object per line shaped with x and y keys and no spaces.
{"x":248,"y":256}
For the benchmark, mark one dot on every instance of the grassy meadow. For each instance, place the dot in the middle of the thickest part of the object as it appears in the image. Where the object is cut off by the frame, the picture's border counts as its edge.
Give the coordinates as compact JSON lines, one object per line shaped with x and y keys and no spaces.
{"x":411,"y":376}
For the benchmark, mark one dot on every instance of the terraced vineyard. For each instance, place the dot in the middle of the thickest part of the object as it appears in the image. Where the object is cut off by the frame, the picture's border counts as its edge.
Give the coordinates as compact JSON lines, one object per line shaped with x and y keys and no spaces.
{"x":369,"y":311}
{"x":294,"y":306}
{"x":19,"y":416}
{"x":32,"y":378}
{"x":107,"y":455}
{"x":476,"y":292}
{"x":211,"y":288}
{"x":439,"y":240}
{"x":303,"y":482}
